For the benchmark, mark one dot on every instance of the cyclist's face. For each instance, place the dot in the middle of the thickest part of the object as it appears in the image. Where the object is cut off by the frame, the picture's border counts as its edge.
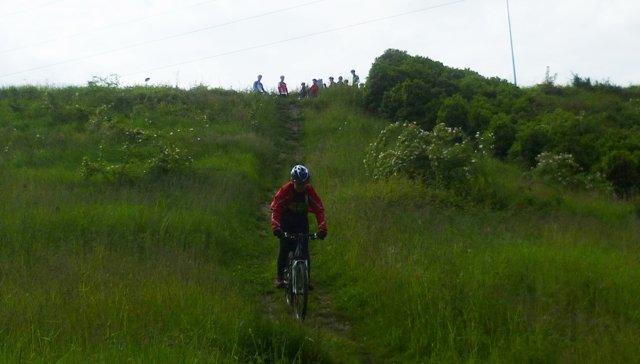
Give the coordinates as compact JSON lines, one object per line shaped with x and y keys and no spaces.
{"x":299,"y":186}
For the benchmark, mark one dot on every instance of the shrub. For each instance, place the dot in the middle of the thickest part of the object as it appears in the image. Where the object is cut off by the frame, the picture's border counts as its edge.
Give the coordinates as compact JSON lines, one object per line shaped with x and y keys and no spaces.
{"x":170,"y":160}
{"x":399,"y":149}
{"x":621,"y":169}
{"x":530,"y":141}
{"x":443,"y":158}
{"x":406,"y":101}
{"x":563,"y":170}
{"x":454,"y":112}
{"x":480,"y":114}
{"x":504,"y":134}
{"x":560,"y":168}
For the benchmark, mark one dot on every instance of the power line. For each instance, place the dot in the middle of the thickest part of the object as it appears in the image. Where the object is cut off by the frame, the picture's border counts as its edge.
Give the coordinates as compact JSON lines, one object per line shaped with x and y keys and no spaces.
{"x":135,"y":45}
{"x":265,"y":45}
{"x":108,"y":26}
{"x":44,"y":5}
{"x":237,"y":50}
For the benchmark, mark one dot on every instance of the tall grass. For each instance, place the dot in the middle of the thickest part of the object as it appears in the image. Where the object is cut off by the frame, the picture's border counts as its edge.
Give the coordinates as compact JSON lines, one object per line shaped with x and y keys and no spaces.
{"x":141,"y":267}
{"x":549,"y":278}
{"x":126,"y":265}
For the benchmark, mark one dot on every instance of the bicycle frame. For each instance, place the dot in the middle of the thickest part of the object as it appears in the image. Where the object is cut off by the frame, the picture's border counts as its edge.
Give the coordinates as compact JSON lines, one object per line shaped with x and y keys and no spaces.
{"x":297,"y":276}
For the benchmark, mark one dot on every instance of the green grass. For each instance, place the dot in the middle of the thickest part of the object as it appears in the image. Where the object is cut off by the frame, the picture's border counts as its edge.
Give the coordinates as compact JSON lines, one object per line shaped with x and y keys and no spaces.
{"x":177,"y":265}
{"x":142,"y":268}
{"x":549,"y":277}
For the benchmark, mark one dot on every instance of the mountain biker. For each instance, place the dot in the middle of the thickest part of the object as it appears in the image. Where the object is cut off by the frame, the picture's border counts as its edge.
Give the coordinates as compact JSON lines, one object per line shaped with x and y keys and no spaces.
{"x":289,"y":209}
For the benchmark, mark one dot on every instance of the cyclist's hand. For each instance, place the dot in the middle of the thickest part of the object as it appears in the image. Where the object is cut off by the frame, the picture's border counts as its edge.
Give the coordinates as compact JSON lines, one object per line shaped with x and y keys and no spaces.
{"x":321,"y":234}
{"x":278,"y":233}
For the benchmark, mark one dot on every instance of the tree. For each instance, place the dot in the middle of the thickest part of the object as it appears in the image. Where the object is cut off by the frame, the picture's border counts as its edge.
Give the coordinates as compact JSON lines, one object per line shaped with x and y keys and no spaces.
{"x":454,"y":112}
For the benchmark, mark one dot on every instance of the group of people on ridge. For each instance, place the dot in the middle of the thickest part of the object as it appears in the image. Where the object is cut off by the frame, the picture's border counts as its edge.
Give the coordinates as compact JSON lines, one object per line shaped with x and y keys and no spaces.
{"x":306,"y":90}
{"x":355,"y":80}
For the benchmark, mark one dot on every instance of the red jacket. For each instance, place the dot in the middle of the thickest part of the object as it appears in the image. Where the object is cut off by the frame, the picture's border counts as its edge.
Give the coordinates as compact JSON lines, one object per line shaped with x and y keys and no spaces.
{"x":283,"y":199}
{"x":282,"y":88}
{"x":313,"y":90}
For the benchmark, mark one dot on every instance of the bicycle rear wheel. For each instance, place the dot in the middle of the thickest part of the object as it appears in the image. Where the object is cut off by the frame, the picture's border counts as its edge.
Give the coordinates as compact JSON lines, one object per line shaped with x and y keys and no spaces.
{"x":300,"y":285}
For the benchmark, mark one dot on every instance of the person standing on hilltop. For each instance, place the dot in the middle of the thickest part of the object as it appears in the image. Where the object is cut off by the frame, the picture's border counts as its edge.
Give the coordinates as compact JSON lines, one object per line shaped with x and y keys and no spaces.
{"x":355,"y":81}
{"x":304,"y":91}
{"x":313,"y":90}
{"x":282,"y":87}
{"x":257,"y":86}
{"x":289,"y":209}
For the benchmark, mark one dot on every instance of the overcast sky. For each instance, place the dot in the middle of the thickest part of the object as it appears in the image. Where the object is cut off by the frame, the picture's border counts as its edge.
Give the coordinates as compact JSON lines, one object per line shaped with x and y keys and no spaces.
{"x":226,"y":43}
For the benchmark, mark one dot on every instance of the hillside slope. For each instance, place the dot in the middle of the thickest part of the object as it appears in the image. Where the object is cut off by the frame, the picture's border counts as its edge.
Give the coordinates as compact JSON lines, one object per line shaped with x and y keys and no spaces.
{"x":134,"y":229}
{"x":422,"y":277}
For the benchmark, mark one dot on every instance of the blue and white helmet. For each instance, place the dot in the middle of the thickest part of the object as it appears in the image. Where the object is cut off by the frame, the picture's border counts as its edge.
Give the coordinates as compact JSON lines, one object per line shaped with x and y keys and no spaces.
{"x":300,"y":173}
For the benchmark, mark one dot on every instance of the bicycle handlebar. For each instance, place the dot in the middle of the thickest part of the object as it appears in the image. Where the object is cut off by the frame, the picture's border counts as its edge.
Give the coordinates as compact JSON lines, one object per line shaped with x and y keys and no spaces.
{"x":288,"y":235}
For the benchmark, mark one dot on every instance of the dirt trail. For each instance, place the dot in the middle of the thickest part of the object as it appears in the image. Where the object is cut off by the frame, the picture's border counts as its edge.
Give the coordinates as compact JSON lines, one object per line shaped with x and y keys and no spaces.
{"x":321,"y":314}
{"x":293,"y":125}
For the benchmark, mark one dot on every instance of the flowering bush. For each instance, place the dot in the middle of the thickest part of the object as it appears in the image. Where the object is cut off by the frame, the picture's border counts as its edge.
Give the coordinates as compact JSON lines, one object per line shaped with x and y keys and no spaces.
{"x":169,"y":160}
{"x":557,"y":167}
{"x":562,"y":169}
{"x":443,"y":158}
{"x":397,"y":151}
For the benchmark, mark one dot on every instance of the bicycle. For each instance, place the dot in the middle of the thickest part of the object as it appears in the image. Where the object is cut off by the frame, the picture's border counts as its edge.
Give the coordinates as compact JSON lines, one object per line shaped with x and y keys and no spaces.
{"x":296,"y":276}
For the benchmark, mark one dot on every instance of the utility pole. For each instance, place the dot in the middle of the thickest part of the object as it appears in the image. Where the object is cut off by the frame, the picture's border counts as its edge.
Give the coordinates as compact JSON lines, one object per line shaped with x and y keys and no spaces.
{"x":513,"y":59}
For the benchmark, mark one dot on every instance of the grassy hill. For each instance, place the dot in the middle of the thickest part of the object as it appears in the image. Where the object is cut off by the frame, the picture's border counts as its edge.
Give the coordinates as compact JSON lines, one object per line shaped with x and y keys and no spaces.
{"x":133,"y":228}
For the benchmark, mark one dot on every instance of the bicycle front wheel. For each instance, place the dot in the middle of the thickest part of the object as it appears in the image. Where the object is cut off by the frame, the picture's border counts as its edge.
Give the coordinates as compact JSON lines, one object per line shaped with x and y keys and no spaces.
{"x":288,"y":286}
{"x":300,"y":289}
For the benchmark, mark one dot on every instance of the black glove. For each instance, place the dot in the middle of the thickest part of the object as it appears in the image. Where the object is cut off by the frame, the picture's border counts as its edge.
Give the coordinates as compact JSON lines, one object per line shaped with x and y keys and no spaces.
{"x":278,"y":233}
{"x":321,"y":234}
